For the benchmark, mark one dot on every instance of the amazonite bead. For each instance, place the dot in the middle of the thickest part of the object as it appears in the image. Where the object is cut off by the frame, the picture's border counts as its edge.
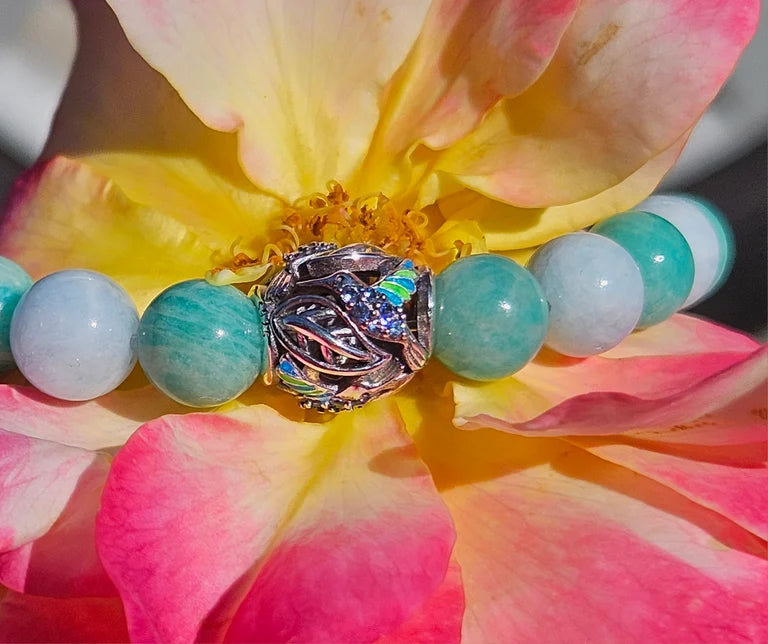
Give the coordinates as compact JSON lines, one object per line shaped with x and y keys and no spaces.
{"x":14,"y":282}
{"x":201,"y":344}
{"x":708,"y":234}
{"x":594,"y":290}
{"x":73,"y":335}
{"x":490,"y":317}
{"x":662,"y":255}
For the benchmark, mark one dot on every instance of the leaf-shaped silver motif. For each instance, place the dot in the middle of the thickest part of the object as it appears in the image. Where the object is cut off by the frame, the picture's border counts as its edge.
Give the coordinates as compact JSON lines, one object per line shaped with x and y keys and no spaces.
{"x":346,"y":325}
{"x":319,"y":334}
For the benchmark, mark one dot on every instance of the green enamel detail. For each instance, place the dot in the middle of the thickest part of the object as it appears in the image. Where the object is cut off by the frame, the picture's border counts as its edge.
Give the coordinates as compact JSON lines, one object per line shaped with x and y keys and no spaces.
{"x":202,"y":344}
{"x":393,"y":287}
{"x":14,"y":282}
{"x":490,"y":317}
{"x":663,"y":257}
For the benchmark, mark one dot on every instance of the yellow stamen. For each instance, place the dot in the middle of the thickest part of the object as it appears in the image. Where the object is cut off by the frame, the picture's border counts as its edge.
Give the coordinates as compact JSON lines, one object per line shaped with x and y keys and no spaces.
{"x":336,"y":217}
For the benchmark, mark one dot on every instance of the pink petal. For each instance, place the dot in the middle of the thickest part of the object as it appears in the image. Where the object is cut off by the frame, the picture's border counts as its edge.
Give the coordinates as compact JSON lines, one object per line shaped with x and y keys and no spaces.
{"x":439,"y":619}
{"x":26,"y":618}
{"x":649,"y":383}
{"x":470,"y":53}
{"x":63,"y":561}
{"x":628,"y":79}
{"x":741,"y":422}
{"x":731,"y":480}
{"x":96,"y":424}
{"x":557,"y":545}
{"x":38,"y":480}
{"x":300,"y":82}
{"x":301,"y":532}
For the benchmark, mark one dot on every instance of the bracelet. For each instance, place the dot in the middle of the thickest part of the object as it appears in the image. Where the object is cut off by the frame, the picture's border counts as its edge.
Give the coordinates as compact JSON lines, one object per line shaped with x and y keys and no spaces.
{"x":338,"y":327}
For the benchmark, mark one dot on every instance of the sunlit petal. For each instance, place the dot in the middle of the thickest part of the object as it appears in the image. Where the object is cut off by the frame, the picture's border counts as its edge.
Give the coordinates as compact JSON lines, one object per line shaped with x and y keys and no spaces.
{"x":554,"y":542}
{"x":301,"y":531}
{"x":507,"y":227}
{"x":105,"y":422}
{"x":730,"y":480}
{"x":459,"y":68}
{"x":628,"y":79}
{"x":555,"y":395}
{"x":64,"y":214}
{"x":125,"y":120}
{"x":63,"y":561}
{"x":300,"y":82}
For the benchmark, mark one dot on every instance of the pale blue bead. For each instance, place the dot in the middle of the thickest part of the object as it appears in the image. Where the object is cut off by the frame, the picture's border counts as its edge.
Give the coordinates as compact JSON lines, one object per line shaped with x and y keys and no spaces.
{"x":14,"y":282}
{"x":201,"y":344}
{"x":490,"y":317}
{"x":663,"y":257}
{"x":73,"y":335}
{"x":594,"y":289}
{"x":708,"y":234}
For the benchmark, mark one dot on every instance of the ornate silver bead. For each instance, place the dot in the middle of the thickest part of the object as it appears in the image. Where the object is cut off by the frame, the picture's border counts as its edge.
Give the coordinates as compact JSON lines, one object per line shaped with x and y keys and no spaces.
{"x":346,"y":325}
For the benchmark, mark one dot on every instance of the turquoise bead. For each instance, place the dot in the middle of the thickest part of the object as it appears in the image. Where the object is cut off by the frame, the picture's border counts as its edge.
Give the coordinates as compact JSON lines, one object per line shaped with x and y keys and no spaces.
{"x":490,"y":317}
{"x":708,"y":234}
{"x":663,"y":257}
{"x":14,"y":282}
{"x":201,"y":344}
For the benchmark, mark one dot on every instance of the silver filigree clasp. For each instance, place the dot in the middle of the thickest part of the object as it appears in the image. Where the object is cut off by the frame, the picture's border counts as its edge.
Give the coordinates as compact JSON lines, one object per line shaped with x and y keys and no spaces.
{"x":347,"y":325}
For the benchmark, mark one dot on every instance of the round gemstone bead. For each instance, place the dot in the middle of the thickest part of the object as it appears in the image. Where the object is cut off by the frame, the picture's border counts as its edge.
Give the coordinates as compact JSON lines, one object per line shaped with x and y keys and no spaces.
{"x":73,"y":335}
{"x":490,"y":317}
{"x":594,"y":290}
{"x":708,"y":234}
{"x":14,"y":282}
{"x":662,"y":255}
{"x":201,"y":344}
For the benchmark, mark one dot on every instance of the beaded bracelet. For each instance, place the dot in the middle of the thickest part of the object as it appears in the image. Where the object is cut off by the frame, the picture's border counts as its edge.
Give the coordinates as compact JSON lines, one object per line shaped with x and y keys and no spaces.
{"x":340,"y":326}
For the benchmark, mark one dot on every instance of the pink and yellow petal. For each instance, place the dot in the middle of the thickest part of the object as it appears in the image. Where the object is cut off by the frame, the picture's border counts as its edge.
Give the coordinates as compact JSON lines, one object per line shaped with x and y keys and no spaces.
{"x":629,"y":78}
{"x":300,"y":82}
{"x":507,"y":227}
{"x":729,"y":480}
{"x":97,"y":424}
{"x":301,"y":531}
{"x":555,"y":542}
{"x":555,"y":395}
{"x":64,"y":214}
{"x":38,"y":479}
{"x":28,"y":618}
{"x":439,"y":619}
{"x":125,"y":120}
{"x":469,"y":55}
{"x":63,"y":561}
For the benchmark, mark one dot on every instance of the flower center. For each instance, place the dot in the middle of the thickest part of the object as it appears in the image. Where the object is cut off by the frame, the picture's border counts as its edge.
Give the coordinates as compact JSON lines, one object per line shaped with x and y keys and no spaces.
{"x":333,"y":217}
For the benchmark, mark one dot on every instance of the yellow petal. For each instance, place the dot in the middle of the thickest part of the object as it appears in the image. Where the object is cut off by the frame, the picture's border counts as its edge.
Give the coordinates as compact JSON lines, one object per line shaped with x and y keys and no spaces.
{"x":470,"y":53}
{"x":507,"y":227}
{"x":129,"y":124}
{"x":64,"y":214}
{"x":300,"y":81}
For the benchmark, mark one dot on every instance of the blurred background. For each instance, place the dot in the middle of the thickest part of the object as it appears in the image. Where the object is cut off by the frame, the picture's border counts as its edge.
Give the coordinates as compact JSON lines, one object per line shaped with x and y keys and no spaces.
{"x":724,"y":161}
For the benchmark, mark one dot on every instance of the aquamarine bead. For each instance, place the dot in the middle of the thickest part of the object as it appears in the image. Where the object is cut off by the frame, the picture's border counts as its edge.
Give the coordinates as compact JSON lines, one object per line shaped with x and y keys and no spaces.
{"x":594,"y":290}
{"x":201,"y":344}
{"x":708,"y":235}
{"x":490,"y":317}
{"x":73,"y":335}
{"x":14,"y":282}
{"x":662,"y":255}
